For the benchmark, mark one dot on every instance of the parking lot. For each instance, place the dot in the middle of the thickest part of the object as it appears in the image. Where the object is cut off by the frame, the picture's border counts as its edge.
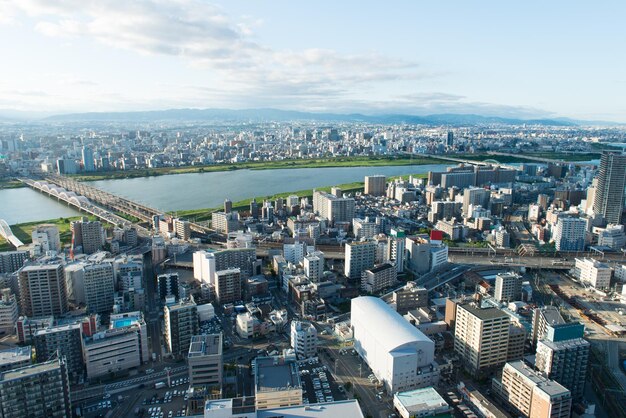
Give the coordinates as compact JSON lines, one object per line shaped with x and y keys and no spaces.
{"x":165,"y":402}
{"x":318,"y":384}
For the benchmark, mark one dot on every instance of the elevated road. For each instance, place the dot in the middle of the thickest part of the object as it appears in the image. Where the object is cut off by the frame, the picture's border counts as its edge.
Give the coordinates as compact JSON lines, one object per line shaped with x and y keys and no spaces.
{"x":5,"y":231}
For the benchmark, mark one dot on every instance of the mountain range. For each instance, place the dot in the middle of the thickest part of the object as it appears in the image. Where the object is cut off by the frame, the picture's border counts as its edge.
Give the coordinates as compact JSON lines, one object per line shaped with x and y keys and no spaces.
{"x":277,"y":115}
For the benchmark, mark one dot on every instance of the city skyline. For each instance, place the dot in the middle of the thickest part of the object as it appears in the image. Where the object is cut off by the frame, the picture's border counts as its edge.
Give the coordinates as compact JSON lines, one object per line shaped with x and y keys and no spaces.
{"x":537,"y":61}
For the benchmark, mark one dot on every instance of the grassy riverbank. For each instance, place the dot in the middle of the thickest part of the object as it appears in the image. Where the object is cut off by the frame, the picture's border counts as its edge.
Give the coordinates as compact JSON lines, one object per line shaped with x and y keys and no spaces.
{"x":199,"y":215}
{"x":23,"y":231}
{"x":263,"y":165}
{"x":11,"y":184}
{"x":527,"y":157}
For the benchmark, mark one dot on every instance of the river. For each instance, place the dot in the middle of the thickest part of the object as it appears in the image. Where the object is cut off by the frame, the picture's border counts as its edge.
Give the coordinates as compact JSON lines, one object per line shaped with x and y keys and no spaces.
{"x":197,"y":190}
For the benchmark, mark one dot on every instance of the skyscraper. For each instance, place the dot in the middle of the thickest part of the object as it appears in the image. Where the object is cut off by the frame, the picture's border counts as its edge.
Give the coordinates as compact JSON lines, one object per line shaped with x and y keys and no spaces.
{"x":569,"y":234}
{"x":375,"y":185}
{"x":88,"y":162}
{"x":609,"y":196}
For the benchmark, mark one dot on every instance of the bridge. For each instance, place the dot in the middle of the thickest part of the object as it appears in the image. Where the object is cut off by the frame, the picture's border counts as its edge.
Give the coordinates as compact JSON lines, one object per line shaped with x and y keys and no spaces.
{"x":542,"y":159}
{"x":81,"y":203}
{"x":116,"y":203}
{"x":5,"y":231}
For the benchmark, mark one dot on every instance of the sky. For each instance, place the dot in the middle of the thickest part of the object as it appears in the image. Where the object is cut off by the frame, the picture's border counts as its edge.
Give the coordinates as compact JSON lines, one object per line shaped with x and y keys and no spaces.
{"x":519,"y":59}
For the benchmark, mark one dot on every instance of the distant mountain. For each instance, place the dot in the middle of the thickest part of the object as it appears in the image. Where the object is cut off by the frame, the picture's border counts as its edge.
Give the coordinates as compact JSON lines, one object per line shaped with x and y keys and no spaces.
{"x":266,"y":115}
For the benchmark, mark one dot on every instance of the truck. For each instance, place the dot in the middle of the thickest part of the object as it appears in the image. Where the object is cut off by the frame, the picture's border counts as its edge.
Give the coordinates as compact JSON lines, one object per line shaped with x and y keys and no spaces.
{"x":159,"y":385}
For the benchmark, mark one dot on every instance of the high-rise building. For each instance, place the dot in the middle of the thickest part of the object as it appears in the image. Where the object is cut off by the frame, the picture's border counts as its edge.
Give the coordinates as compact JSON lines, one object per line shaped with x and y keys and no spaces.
{"x":395,"y":247}
{"x":314,"y":266}
{"x":40,"y":390}
{"x":475,"y":196}
{"x":228,"y":206}
{"x":531,"y":394}
{"x":481,"y":338}
{"x":227,"y":286}
{"x":181,"y":323}
{"x":99,"y":285}
{"x":9,"y":311}
{"x":303,"y":339}
{"x":360,"y":256}
{"x":450,"y":139}
{"x":15,"y":357}
{"x":254,"y":209}
{"x":333,"y":208}
{"x":182,"y":229}
{"x":65,"y":341}
{"x":375,"y":185}
{"x":87,"y":234}
{"x":565,"y":361}
{"x":375,"y":279}
{"x":43,"y":290}
{"x":168,"y":286}
{"x":569,"y":234}
{"x":364,"y":228}
{"x":88,"y":161}
{"x":206,"y":364}
{"x":609,"y":197}
{"x":12,"y":261}
{"x":508,"y":287}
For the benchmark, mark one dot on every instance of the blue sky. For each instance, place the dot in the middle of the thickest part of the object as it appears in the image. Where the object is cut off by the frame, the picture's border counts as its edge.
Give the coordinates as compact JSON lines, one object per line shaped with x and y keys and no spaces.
{"x":526,"y":59}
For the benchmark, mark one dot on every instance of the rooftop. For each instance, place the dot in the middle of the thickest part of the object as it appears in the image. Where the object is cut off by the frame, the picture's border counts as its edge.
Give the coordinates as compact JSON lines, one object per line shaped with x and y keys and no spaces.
{"x":205,"y":345}
{"x":484,"y":313}
{"x":15,"y":354}
{"x":29,"y":370}
{"x":550,"y":387}
{"x":421,"y":399}
{"x":349,"y":408}
{"x":275,"y":373}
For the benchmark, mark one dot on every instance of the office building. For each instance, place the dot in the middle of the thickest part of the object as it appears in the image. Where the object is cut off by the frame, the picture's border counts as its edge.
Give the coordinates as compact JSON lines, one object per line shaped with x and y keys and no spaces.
{"x":87,"y":235}
{"x":40,"y":390}
{"x":15,"y":358}
{"x":64,"y":340}
{"x":241,"y":258}
{"x":593,"y":273}
{"x":9,"y":311}
{"x":112,"y":352}
{"x":12,"y":261}
{"x":375,"y":185}
{"x":481,"y":338}
{"x":228,"y":286}
{"x":99,"y":286}
{"x":450,"y":139}
{"x":314,"y":266}
{"x":569,"y":234}
{"x":417,"y":255}
{"x":181,"y":323}
{"x":360,"y":256}
{"x":609,"y":196}
{"x":543,"y":319}
{"x":303,"y":339}
{"x":66,"y":166}
{"x":206,"y":364}
{"x":531,"y":394}
{"x":425,"y":402}
{"x":296,"y":251}
{"x":203,"y":266}
{"x":182,"y":229}
{"x":168,"y":286}
{"x":43,"y":290}
{"x":396,"y":249}
{"x":612,"y":236}
{"x":47,"y":237}
{"x":276,"y":382}
{"x":333,"y":208}
{"x":88,"y":161}
{"x":508,"y":287}
{"x":399,"y":355}
{"x":377,"y":278}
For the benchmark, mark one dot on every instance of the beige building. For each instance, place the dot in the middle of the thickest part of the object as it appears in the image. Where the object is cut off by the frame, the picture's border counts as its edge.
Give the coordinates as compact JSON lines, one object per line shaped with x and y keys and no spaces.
{"x":375,"y":185}
{"x":531,"y":393}
{"x":276,"y":382}
{"x":481,"y":338}
{"x":206,"y":364}
{"x":43,"y":290}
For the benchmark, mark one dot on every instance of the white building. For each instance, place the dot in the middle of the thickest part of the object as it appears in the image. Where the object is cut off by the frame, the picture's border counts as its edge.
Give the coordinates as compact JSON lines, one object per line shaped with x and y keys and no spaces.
{"x":314,"y":266}
{"x":203,"y":266}
{"x":245,"y":325}
{"x":593,"y":273}
{"x":424,"y":402}
{"x":295,"y":253}
{"x":360,"y":256}
{"x":303,"y":339}
{"x":612,"y":236}
{"x":569,"y":234}
{"x":47,"y":237}
{"x":508,"y":287}
{"x":363,"y":228}
{"x":396,"y":248}
{"x":396,"y":351}
{"x":8,"y":311}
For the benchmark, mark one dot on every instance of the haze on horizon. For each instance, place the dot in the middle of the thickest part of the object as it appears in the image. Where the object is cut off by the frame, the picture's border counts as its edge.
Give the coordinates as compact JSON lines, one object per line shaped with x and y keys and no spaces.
{"x":527,"y":60}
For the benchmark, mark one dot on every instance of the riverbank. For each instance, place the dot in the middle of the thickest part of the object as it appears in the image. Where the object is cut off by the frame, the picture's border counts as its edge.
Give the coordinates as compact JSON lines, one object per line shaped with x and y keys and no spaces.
{"x":11,"y":184}
{"x":528,"y":157}
{"x":201,"y":215}
{"x":262,"y":165}
{"x":23,"y":231}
